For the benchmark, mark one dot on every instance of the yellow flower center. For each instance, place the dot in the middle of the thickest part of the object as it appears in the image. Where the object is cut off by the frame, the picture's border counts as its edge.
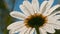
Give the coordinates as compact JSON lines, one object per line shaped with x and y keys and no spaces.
{"x":36,"y":20}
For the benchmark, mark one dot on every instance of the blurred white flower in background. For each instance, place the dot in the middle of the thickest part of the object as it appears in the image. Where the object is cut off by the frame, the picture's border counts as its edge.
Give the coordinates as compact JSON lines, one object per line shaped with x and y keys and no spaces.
{"x":35,"y":18}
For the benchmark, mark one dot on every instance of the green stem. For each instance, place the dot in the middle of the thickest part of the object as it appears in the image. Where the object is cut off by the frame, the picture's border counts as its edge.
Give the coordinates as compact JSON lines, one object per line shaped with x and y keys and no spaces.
{"x":37,"y":30}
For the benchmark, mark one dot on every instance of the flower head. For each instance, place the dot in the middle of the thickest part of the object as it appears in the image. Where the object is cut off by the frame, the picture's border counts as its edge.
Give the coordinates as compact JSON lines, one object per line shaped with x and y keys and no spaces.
{"x":35,"y":18}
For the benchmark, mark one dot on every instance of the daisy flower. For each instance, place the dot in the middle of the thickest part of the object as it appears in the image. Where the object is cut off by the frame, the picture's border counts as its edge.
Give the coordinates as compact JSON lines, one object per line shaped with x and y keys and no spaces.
{"x":38,"y":19}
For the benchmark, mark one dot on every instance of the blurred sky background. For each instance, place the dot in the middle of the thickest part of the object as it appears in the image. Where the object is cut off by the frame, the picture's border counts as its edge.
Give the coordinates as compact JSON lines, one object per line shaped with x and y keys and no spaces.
{"x":18,"y":2}
{"x":6,"y":6}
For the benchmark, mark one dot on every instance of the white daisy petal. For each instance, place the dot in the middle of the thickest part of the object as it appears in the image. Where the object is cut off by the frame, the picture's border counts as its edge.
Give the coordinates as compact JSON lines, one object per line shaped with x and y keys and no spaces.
{"x":35,"y":5}
{"x":57,"y":17}
{"x":18,"y":27}
{"x":51,"y":19}
{"x":43,"y":6}
{"x":24,"y":10}
{"x":42,"y":31}
{"x":55,"y":13}
{"x":56,"y":26}
{"x":17,"y":15}
{"x":15,"y":25}
{"x":50,"y":2}
{"x":52,"y":9}
{"x":49,"y":28}
{"x":35,"y":32}
{"x":54,"y":19}
{"x":23,"y":31}
{"x":55,"y":22}
{"x":32,"y":31}
{"x":28,"y":31}
{"x":28,"y":5}
{"x":11,"y":32}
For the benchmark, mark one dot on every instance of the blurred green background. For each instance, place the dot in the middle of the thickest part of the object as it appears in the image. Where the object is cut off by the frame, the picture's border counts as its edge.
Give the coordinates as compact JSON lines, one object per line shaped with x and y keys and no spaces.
{"x":6,"y":6}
